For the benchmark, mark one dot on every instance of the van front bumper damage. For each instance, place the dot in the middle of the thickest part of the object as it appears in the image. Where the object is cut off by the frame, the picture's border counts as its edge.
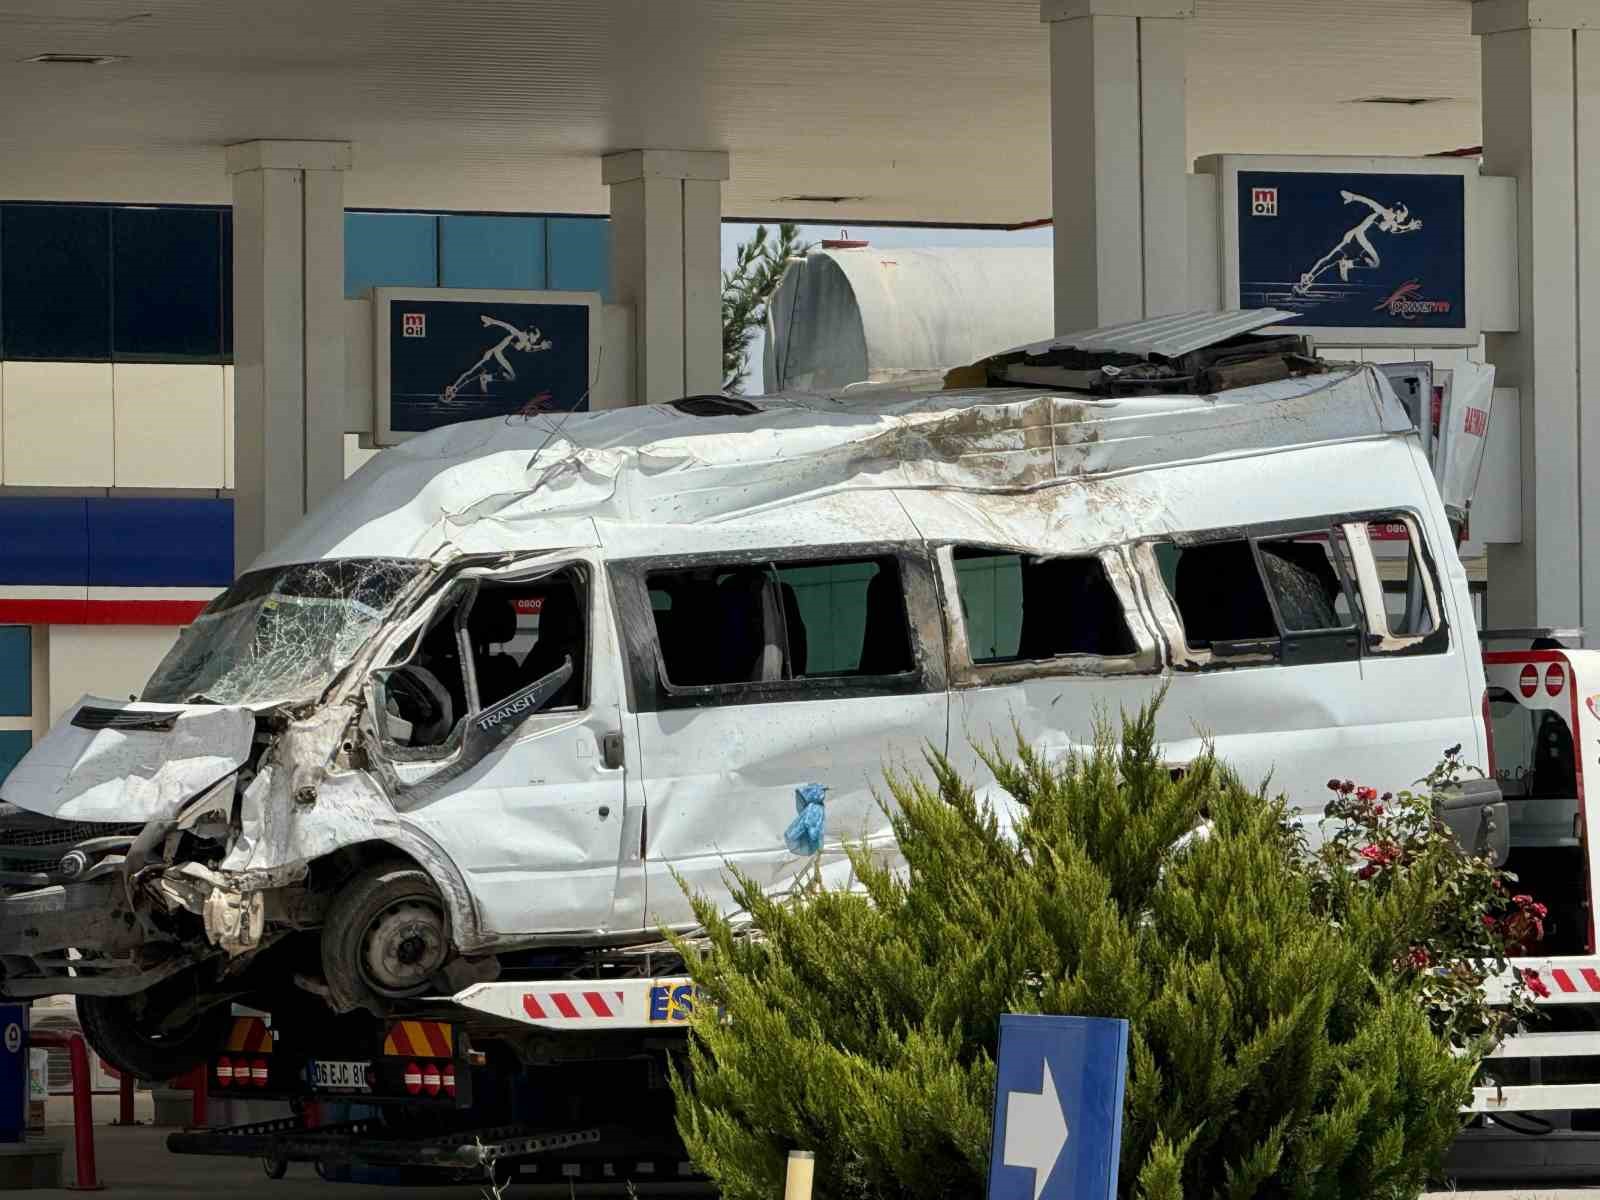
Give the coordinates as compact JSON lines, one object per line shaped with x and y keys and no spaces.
{"x":114,"y":839}
{"x":229,"y":811}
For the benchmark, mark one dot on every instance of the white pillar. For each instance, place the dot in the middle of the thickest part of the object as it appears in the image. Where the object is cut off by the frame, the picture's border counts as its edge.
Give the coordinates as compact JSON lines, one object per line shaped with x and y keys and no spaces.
{"x":1541,"y":125}
{"x":1119,"y":156}
{"x":289,"y":331}
{"x":666,"y":252}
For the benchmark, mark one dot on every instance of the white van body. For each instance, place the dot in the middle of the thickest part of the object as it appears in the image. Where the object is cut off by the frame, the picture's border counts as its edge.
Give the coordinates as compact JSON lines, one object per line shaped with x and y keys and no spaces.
{"x":753,"y":601}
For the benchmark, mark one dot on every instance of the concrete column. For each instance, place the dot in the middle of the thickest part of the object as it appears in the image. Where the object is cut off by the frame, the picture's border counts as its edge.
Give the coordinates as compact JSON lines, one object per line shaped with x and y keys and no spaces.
{"x":288,"y":334}
{"x":666,"y":250}
{"x":1541,"y":125}
{"x":1119,"y":157}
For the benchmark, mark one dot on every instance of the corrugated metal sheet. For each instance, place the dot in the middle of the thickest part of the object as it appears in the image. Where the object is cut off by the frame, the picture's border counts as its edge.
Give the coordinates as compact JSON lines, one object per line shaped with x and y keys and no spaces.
{"x":1168,"y":337}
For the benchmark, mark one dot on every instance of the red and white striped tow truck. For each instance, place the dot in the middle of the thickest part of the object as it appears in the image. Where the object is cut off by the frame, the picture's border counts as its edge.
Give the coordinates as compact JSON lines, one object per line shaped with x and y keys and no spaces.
{"x":555,"y":1081}
{"x":1536,"y":1109}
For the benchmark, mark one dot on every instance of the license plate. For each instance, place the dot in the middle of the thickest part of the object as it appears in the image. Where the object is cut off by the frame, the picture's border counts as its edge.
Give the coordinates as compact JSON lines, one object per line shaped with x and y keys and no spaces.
{"x":340,"y":1076}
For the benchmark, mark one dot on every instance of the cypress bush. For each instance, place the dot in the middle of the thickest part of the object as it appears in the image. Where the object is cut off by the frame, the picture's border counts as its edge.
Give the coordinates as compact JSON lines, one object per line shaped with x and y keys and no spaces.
{"x":1277,"y":1049}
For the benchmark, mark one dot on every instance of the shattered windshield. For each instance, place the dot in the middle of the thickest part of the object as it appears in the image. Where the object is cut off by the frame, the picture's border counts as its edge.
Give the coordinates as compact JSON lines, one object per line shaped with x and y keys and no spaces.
{"x":281,"y":633}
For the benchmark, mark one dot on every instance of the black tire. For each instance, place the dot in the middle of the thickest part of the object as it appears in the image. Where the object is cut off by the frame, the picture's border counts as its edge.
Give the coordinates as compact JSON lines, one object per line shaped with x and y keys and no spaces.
{"x":114,"y":1026}
{"x":385,"y":936}
{"x":275,"y":1168}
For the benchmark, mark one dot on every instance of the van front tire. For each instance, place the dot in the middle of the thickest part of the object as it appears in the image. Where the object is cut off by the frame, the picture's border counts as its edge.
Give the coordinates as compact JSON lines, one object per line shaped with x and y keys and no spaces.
{"x":385,"y":938}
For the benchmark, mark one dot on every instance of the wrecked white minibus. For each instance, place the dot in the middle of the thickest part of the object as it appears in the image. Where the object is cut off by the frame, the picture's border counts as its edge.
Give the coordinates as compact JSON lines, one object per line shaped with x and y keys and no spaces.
{"x":480,"y":712}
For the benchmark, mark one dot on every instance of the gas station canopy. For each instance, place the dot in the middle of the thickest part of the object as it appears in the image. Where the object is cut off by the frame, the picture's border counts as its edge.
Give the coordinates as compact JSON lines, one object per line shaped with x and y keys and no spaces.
{"x":903,"y":110}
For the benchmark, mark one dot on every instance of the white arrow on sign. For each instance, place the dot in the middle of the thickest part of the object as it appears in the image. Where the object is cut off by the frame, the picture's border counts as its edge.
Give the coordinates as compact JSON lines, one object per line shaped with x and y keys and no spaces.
{"x":1036,"y":1131}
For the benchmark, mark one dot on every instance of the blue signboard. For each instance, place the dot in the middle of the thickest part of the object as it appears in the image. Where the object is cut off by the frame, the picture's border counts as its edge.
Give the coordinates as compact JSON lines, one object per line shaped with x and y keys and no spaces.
{"x":1354,"y":250}
{"x":1058,"y":1108}
{"x":444,"y":358}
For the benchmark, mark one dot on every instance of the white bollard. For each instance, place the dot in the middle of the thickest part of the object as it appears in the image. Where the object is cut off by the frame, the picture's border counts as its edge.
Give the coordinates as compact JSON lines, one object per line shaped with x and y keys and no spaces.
{"x":802,"y":1166}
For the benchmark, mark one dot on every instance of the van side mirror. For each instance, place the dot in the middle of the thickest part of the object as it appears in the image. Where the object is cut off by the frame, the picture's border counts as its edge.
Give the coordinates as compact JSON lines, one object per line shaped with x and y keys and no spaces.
{"x":1477,"y":813}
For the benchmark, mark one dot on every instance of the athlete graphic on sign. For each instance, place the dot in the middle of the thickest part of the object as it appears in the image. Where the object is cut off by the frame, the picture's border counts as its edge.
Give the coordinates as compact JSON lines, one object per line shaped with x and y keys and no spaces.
{"x":1355,"y":251}
{"x":493,"y":364}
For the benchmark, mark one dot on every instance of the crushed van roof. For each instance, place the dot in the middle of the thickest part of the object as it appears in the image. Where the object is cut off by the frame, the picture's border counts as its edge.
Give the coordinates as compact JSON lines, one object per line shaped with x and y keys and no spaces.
{"x":541,"y":482}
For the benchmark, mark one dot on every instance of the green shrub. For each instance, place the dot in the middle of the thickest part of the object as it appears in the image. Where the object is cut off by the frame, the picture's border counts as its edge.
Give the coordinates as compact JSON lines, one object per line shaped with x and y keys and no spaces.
{"x":1275,"y":1050}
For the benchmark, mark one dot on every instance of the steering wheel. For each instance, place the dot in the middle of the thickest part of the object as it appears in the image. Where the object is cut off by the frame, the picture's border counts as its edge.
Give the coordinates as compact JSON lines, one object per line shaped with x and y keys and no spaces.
{"x":423,"y":701}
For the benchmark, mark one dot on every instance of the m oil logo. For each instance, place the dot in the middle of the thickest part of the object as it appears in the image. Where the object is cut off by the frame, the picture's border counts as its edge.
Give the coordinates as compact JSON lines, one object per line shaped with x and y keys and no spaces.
{"x":1263,"y":202}
{"x":414,"y":324}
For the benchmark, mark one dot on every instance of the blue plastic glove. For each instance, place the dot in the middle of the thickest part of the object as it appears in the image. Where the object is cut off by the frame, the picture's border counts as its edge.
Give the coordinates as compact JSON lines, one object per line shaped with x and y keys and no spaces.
{"x":804,"y":834}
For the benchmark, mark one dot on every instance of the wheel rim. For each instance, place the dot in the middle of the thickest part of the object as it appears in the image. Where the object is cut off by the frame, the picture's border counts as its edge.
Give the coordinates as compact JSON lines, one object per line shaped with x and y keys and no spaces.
{"x":403,"y":945}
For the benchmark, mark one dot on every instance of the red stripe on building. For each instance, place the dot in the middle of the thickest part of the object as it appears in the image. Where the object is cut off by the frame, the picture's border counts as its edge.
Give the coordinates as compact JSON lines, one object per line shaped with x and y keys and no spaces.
{"x":565,"y":1005}
{"x":597,"y":1002}
{"x":531,"y":1006}
{"x":1591,"y":977}
{"x":438,"y":1038}
{"x":99,"y":612}
{"x":1563,"y":980}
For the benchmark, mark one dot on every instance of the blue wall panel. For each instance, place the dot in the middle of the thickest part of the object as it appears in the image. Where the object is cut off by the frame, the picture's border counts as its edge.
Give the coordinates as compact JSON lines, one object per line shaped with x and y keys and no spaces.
{"x":44,"y":542}
{"x":16,"y":671}
{"x":579,"y":256}
{"x":55,"y":281}
{"x":390,"y":250}
{"x":491,"y":252}
{"x":160,"y":543}
{"x":167,"y":284}
{"x":14,"y":743}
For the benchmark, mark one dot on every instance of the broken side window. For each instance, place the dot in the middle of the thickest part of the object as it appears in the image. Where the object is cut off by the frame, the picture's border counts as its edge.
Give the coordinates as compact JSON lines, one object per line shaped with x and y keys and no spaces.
{"x":1022,"y":608}
{"x":1399,"y":590}
{"x":723,"y":624}
{"x":520,"y":631}
{"x":1218,"y":591}
{"x":1288,"y":595}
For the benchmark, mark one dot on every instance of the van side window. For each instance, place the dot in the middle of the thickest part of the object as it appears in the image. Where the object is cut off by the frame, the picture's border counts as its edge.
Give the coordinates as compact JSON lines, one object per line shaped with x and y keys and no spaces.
{"x":1218,"y":592}
{"x":724,"y":624}
{"x":1286,"y":596}
{"x":1021,"y":608}
{"x":516,"y":632}
{"x":522,"y":631}
{"x":1398,"y":588}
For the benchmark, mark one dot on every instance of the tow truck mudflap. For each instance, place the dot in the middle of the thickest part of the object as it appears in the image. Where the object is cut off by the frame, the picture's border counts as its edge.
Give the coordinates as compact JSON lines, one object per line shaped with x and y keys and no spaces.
{"x":411,"y":1061}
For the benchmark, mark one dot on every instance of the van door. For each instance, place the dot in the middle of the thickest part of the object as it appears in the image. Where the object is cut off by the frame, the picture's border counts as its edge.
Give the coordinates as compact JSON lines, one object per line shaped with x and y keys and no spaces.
{"x":757,"y":673}
{"x":1041,"y":647}
{"x":527,"y":791}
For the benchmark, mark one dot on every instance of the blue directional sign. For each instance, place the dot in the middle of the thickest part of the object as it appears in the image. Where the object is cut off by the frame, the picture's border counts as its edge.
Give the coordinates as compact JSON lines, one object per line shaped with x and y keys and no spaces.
{"x":1058,"y":1108}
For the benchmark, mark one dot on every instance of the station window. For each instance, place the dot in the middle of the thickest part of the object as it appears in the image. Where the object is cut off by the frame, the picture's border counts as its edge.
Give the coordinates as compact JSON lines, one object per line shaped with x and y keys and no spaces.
{"x":55,"y":281}
{"x":16,"y":671}
{"x":167,"y":283}
{"x":1020,"y":608}
{"x":491,"y":252}
{"x":390,"y":250}
{"x":14,"y":743}
{"x":764,"y":622}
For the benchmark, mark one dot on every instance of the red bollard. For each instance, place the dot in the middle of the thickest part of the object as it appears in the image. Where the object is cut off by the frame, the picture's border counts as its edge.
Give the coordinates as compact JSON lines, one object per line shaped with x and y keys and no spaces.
{"x":199,"y":1081}
{"x":82,"y":1106}
{"x":125,"y":1100}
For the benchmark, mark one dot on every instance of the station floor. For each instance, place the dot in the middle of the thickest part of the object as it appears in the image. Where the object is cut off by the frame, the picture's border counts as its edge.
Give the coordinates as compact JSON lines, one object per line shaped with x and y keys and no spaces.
{"x":133,"y":1161}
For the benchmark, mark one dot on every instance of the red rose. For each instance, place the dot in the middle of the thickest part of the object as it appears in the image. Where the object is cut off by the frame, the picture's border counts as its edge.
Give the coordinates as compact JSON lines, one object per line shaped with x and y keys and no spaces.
{"x":1535,"y":984}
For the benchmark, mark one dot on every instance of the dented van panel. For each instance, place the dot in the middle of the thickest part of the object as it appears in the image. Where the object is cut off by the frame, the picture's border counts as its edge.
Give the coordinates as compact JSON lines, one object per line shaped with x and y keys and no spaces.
{"x":105,"y":761}
{"x":518,"y":681}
